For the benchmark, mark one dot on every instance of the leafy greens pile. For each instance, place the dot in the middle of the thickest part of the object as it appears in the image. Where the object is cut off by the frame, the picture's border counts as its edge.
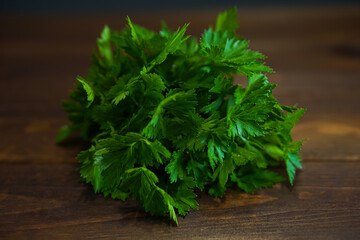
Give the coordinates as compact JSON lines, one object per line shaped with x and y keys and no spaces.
{"x":164,"y":117}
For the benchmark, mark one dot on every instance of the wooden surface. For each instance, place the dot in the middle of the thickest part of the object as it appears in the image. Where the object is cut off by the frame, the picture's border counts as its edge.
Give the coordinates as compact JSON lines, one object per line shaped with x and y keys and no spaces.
{"x":316,"y":55}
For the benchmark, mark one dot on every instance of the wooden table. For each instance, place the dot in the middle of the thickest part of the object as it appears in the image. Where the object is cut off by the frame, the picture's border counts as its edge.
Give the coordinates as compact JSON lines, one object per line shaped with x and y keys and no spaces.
{"x":316,"y":55}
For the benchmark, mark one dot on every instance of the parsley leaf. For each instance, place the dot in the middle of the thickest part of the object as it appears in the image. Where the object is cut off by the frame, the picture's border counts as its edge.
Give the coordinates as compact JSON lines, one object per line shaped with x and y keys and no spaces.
{"x":164,"y":117}
{"x":250,"y":178}
{"x":227,"y":21}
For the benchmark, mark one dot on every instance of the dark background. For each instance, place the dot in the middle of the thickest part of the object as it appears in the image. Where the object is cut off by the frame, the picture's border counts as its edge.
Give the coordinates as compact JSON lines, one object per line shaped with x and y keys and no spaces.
{"x":81,"y":6}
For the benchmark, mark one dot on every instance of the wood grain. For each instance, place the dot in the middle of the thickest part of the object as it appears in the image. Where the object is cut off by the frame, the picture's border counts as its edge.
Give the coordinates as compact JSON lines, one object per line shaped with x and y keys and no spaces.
{"x":49,"y":202}
{"x":316,"y":55}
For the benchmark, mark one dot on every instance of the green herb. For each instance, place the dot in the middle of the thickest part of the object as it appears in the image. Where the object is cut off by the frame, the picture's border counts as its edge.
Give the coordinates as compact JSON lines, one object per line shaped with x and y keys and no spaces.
{"x":164,"y":117}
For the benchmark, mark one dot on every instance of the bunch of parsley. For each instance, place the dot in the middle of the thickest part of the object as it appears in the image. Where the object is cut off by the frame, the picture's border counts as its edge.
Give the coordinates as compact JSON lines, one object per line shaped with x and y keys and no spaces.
{"x":164,"y":117}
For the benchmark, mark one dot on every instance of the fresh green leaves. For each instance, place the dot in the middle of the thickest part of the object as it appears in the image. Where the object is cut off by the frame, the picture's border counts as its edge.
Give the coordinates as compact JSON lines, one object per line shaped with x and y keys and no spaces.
{"x":292,"y":159}
{"x":177,"y":104}
{"x":89,"y":91}
{"x":104,"y":46}
{"x":249,"y":178}
{"x":164,"y":117}
{"x":230,"y":54}
{"x":141,"y":183}
{"x":172,"y":44}
{"x":227,"y":21}
{"x":252,"y":107}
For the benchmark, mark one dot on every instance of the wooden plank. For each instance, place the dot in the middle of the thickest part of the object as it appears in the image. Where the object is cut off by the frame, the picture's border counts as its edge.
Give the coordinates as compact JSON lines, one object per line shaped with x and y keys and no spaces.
{"x":46,"y":201}
{"x":34,"y":140}
{"x":316,"y":57}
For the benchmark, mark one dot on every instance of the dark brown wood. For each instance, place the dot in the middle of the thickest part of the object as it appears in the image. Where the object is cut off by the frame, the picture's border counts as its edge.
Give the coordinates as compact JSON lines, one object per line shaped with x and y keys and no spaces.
{"x":316,"y":55}
{"x":45,"y":200}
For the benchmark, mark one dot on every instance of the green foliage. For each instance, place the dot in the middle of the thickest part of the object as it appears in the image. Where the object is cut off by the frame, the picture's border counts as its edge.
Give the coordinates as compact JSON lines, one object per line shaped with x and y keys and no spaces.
{"x":163,"y":117}
{"x":249,"y":178}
